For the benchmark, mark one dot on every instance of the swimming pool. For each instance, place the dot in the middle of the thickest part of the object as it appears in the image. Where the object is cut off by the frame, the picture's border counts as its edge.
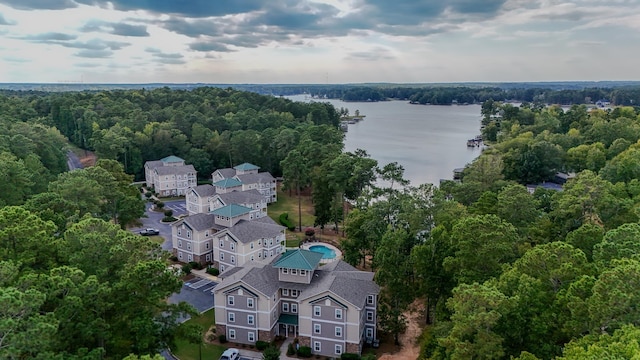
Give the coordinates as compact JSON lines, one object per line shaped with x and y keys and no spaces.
{"x":327,"y":253}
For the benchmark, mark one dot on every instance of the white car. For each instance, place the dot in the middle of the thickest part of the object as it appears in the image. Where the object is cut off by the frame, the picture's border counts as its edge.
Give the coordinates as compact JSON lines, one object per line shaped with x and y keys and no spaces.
{"x":230,"y":354}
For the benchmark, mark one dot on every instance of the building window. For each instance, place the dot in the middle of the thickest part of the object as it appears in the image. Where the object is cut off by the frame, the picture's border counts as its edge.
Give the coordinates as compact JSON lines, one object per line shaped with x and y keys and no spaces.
{"x":250,"y":303}
{"x":285,"y":292}
{"x":232,"y":334}
{"x":250,"y":319}
{"x":316,"y":311}
{"x":206,"y":233}
{"x":370,"y":333}
{"x":221,"y":243}
{"x":221,"y":256}
{"x":369,"y":316}
{"x":189,"y":258}
{"x":316,"y":346}
{"x":303,"y":272}
{"x":338,"y":313}
{"x":251,"y":246}
{"x":206,"y":245}
{"x":233,"y":246}
{"x":294,"y":271}
{"x":232,"y":317}
{"x":338,"y":331}
{"x":284,"y":270}
{"x":294,"y":308}
{"x":188,"y":234}
{"x":188,"y":245}
{"x":369,"y":299}
{"x":179,"y":243}
{"x":317,"y":329}
{"x":259,"y":255}
{"x":338,"y":350}
{"x":285,"y":307}
{"x":179,"y":231}
{"x":180,"y":255}
{"x":251,"y":336}
{"x":230,"y":300}
{"x":294,"y":293}
{"x":208,"y":257}
{"x":221,"y":268}
{"x":233,"y":259}
{"x":251,"y":257}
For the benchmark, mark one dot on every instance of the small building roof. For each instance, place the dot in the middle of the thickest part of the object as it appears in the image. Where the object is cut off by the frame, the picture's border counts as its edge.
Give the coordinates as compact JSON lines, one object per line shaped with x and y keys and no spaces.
{"x":232,"y":210}
{"x":204,"y":190}
{"x":171,"y":170}
{"x":299,"y":259}
{"x":225,"y":173}
{"x":171,"y":159}
{"x":227,"y":183}
{"x":263,"y":177}
{"x":153,"y":164}
{"x":246,"y":167}
{"x":288,"y":319}
{"x":248,"y":231}
{"x":241,"y":197}
{"x":198,"y":222}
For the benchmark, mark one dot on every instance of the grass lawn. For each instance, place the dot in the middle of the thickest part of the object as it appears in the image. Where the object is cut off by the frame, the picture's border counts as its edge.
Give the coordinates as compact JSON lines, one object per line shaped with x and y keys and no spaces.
{"x":289,"y":204}
{"x":187,"y":351}
{"x":157,"y":239}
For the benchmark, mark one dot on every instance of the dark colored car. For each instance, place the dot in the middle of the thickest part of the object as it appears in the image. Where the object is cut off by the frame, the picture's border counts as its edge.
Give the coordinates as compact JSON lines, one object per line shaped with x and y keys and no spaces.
{"x":149,"y":232}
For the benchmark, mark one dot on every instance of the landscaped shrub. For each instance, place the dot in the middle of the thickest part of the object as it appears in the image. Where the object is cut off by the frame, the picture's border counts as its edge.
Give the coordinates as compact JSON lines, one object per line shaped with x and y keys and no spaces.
{"x":370,"y":356}
{"x":309,"y":231}
{"x":213,"y":271}
{"x":284,"y":220}
{"x":261,"y":345}
{"x":195,"y":265}
{"x":186,"y":268}
{"x":173,"y":258}
{"x":290,"y":350}
{"x":168,"y":219}
{"x":222,"y":338}
{"x":148,"y":194}
{"x":168,"y":213}
{"x":159,"y":205}
{"x":304,"y":351}
{"x":349,"y":356}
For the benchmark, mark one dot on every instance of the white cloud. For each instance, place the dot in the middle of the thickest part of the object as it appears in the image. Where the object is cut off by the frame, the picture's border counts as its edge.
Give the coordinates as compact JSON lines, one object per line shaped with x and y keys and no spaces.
{"x":320,"y":40}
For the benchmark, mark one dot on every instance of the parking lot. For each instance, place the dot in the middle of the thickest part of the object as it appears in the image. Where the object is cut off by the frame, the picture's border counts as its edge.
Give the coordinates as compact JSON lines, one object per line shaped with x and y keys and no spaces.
{"x":197,"y":292}
{"x":177,"y":206}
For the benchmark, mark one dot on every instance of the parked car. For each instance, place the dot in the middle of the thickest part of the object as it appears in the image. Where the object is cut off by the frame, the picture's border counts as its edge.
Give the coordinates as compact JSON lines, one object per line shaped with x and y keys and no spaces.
{"x":230,"y":354}
{"x":149,"y":232}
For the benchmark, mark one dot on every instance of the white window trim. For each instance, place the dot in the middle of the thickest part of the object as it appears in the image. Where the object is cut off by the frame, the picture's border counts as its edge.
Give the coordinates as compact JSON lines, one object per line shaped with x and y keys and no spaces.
{"x":317,"y":346}
{"x":230,"y":300}
{"x":250,"y":303}
{"x":369,"y":315}
{"x":338,"y":349}
{"x":317,"y":328}
{"x":294,"y":308}
{"x":231,"y":317}
{"x":232,"y":334}
{"x":317,"y":311}
{"x":338,"y":313}
{"x":251,"y":320}
{"x":338,"y":331}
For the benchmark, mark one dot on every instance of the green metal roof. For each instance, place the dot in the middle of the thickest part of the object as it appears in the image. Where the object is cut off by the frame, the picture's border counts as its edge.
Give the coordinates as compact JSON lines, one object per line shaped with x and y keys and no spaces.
{"x":288,"y":319}
{"x":232,"y":210}
{"x":171,"y":158}
{"x":246,"y":166}
{"x":299,"y":259}
{"x":226,"y":183}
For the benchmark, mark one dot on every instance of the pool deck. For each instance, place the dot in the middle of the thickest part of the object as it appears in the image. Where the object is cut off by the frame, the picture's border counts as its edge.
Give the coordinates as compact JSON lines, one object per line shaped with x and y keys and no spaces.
{"x":309,"y":244}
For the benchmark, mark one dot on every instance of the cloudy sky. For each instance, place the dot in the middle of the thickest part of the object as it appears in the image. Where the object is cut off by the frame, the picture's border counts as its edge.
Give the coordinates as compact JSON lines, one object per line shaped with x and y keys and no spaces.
{"x":321,"y":41}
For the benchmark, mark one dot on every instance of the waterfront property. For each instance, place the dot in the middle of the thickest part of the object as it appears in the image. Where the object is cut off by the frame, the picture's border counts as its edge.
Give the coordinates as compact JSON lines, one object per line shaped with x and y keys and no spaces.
{"x":170,"y":176}
{"x":245,"y":177}
{"x":330,"y":308}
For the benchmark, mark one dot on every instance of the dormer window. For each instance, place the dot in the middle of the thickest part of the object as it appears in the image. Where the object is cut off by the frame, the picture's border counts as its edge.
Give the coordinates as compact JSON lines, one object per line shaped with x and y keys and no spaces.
{"x":285,"y":270}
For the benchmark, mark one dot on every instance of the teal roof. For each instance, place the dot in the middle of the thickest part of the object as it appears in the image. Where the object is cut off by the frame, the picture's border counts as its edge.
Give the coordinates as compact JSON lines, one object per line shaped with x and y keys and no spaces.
{"x":246,"y":166}
{"x":299,"y":259}
{"x":171,"y":158}
{"x":226,"y":183}
{"x":288,"y":319}
{"x":232,"y":210}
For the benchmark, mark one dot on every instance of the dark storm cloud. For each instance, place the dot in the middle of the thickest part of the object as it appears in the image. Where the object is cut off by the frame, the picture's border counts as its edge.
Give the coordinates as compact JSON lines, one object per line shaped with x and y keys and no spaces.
{"x":166,"y":58}
{"x":4,"y":21}
{"x":39,"y":4}
{"x":122,"y":29}
{"x":189,"y":8}
{"x":50,"y":36}
{"x":94,"y":54}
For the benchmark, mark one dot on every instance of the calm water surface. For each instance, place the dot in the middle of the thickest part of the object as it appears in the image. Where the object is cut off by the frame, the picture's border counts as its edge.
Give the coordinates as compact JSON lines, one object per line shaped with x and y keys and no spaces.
{"x":429,"y":141}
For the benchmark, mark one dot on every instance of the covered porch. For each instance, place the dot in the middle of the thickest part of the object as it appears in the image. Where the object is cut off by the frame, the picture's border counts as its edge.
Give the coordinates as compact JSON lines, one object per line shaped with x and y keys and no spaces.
{"x":288,"y":325}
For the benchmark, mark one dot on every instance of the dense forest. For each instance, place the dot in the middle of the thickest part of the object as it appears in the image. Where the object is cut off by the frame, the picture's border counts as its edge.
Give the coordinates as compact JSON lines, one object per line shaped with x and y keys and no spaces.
{"x":74,"y":284}
{"x":500,"y":272}
{"x":504,"y":273}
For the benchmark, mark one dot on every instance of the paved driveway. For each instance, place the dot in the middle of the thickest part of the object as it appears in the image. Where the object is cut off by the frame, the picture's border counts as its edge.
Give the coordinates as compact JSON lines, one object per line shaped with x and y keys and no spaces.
{"x":197,"y":292}
{"x":153,"y":219}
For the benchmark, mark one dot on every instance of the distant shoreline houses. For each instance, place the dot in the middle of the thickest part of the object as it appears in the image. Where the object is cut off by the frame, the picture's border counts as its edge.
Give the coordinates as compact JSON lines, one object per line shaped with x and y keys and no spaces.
{"x":266,"y":290}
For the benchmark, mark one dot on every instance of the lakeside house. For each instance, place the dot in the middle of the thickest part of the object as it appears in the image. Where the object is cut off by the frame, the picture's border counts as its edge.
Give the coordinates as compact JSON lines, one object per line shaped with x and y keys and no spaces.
{"x":245,"y":177}
{"x":329,"y":308}
{"x":170,"y":176}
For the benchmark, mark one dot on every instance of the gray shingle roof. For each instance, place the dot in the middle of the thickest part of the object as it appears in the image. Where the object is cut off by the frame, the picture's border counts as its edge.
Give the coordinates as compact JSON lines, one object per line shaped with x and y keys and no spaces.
{"x":263,"y":177}
{"x":226,"y":172}
{"x":241,"y":197}
{"x":247,"y":231}
{"x":266,"y":220}
{"x":199,"y":222}
{"x":170,"y":170}
{"x":205,"y":190}
{"x":153,"y":164}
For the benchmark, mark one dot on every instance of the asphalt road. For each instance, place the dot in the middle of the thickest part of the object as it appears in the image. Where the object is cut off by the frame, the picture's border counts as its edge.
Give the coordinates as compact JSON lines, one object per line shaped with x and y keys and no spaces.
{"x":153,"y":219}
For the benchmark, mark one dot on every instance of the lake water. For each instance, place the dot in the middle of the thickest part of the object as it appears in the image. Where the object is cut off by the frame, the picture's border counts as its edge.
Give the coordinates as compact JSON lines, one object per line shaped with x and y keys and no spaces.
{"x":429,"y":141}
